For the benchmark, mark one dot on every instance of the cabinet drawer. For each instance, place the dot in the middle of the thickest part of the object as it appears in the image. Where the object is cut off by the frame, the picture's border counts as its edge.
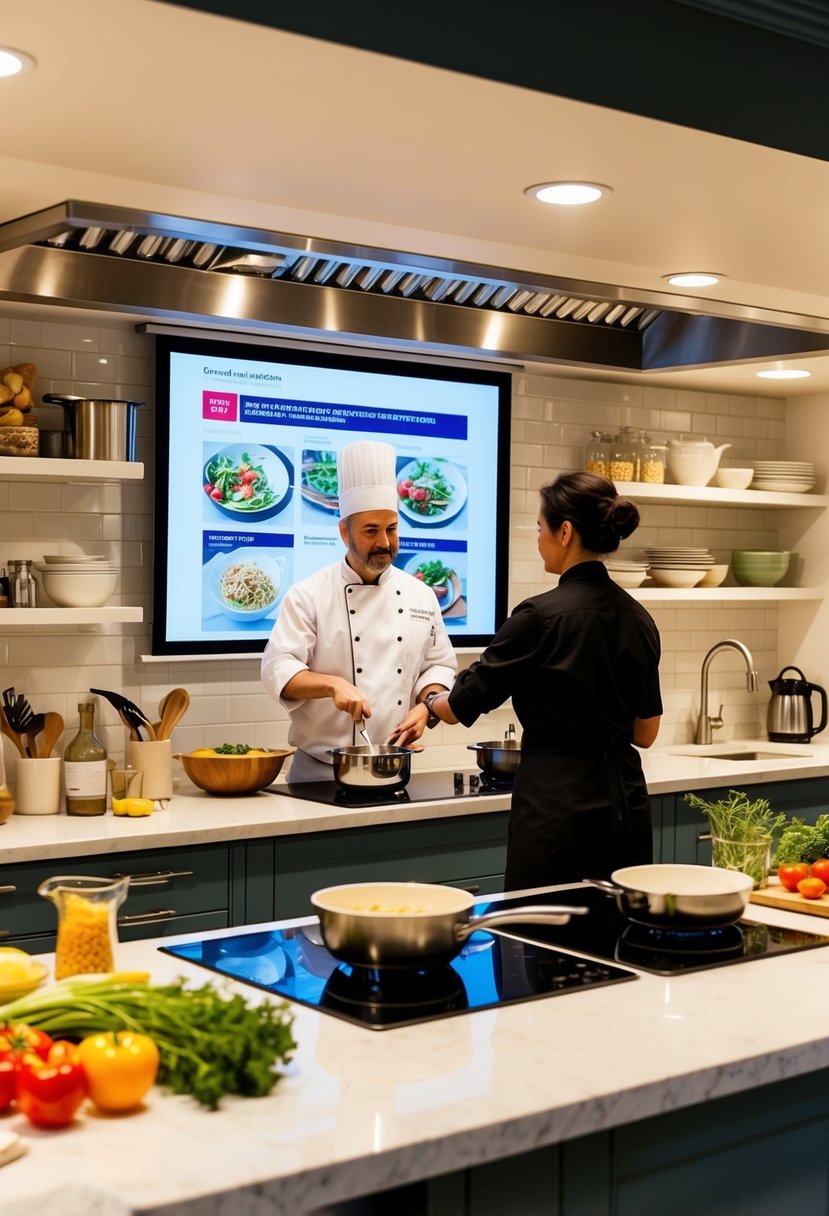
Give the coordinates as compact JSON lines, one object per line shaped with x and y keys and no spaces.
{"x":184,"y":881}
{"x":44,"y":943}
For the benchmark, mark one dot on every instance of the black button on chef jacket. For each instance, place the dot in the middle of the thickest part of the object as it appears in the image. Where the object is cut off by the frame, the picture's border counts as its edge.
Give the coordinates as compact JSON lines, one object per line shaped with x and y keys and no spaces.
{"x":580,"y":662}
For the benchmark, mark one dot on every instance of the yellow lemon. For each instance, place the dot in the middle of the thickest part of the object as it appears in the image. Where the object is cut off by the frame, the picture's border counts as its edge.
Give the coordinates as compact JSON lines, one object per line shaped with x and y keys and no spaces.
{"x":134,"y":807}
{"x":16,"y":966}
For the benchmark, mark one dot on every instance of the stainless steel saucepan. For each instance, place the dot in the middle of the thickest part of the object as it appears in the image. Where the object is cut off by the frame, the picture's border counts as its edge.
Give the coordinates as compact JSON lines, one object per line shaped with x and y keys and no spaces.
{"x":679,"y":896}
{"x":411,"y":924}
{"x":497,"y":758}
{"x":372,"y":766}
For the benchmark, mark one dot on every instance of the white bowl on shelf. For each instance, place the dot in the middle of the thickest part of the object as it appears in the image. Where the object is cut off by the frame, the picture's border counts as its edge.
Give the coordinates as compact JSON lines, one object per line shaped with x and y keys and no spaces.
{"x":714,"y":576}
{"x":734,"y":479}
{"x":79,"y":589}
{"x":676,"y":578}
{"x":627,"y":578}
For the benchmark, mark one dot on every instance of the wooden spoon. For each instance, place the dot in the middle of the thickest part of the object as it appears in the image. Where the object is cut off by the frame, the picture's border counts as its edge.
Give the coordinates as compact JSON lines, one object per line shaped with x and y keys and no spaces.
{"x":52,"y":731}
{"x":173,"y":707}
{"x":16,"y":739}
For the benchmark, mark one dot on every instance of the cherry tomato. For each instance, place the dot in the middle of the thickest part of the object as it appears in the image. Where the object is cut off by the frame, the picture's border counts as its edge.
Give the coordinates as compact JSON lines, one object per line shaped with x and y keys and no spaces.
{"x":790,"y":875}
{"x":250,"y":475}
{"x":419,"y":494}
{"x":17,"y":1039}
{"x":811,"y":888}
{"x":419,"y":574}
{"x":247,"y":491}
{"x":404,"y":488}
{"x":49,"y":1094}
{"x":8,"y":1082}
{"x":820,"y":869}
{"x":216,"y":494}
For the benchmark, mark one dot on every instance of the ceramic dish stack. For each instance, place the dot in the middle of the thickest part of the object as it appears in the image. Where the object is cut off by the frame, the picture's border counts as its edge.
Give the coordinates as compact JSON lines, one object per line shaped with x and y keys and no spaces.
{"x":627,"y":574}
{"x":788,"y":476}
{"x":679,"y":566}
{"x":77,"y":580}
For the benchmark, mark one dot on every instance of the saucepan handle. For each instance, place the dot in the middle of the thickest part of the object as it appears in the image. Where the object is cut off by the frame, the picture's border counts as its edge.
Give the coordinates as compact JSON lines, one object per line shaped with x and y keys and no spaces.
{"x":519,"y":916}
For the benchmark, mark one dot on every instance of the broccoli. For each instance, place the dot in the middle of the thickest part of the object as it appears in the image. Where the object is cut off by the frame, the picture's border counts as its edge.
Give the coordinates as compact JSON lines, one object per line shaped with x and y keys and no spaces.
{"x":801,"y":842}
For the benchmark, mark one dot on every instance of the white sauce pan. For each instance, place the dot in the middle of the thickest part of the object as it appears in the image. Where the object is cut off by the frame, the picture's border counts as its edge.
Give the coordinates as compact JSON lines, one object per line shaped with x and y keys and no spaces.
{"x":679,"y":896}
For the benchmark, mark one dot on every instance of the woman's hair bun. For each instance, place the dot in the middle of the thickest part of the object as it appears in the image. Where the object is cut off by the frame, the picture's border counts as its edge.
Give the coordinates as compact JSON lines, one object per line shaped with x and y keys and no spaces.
{"x":623,"y":517}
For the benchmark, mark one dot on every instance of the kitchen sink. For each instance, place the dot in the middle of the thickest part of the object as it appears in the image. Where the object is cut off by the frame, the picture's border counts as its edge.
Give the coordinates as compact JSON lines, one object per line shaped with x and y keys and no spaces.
{"x":749,"y":753}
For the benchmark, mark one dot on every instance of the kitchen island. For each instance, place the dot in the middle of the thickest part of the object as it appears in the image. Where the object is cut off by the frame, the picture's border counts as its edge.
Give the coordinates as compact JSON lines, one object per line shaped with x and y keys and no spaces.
{"x":703,"y":1094}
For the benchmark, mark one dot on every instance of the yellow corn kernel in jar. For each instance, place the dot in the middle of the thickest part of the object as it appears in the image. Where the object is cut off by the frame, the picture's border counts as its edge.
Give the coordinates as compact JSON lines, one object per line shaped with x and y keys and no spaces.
{"x":84,"y":946}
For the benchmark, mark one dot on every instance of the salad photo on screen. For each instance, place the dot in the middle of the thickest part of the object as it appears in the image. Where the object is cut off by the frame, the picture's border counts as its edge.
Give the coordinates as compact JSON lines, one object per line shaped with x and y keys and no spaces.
{"x":319,"y":479}
{"x":248,"y":481}
{"x":431,"y":491}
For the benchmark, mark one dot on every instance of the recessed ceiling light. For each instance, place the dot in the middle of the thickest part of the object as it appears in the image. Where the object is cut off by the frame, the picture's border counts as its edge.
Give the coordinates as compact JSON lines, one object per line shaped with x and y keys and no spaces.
{"x":12,"y":62}
{"x":567,"y":194}
{"x":696,"y":278}
{"x":785,"y":373}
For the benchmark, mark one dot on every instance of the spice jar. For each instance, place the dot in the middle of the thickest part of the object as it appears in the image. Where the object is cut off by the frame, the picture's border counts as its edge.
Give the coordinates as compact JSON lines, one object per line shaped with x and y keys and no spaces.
{"x":654,"y":463}
{"x":597,"y":454}
{"x":623,"y":456}
{"x":87,"y":925}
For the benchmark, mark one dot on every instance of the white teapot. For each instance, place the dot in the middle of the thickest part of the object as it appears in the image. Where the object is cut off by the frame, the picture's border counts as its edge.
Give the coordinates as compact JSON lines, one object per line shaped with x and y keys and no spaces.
{"x":693,"y":462}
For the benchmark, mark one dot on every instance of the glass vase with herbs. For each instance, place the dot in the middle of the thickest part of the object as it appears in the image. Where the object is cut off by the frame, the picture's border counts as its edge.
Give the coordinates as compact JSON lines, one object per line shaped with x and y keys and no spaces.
{"x":742,"y":832}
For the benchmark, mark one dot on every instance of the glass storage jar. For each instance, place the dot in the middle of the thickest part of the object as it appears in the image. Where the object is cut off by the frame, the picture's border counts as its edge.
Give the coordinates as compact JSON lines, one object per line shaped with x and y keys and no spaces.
{"x":623,"y":456}
{"x":597,"y":454}
{"x":654,"y":463}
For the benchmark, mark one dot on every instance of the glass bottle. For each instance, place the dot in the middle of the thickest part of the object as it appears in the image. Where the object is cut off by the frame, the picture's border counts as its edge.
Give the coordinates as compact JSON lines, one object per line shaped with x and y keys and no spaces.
{"x":22,"y":585}
{"x":597,"y":453}
{"x":85,"y":768}
{"x":4,"y":588}
{"x":623,"y":456}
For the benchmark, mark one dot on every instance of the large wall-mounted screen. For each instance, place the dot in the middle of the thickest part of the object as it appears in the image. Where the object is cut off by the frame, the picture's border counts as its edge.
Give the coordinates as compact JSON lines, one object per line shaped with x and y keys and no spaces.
{"x":246,"y":483}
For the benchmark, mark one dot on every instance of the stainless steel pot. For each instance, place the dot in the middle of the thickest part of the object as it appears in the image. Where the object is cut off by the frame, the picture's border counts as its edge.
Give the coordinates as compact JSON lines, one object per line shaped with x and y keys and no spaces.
{"x":497,"y":758}
{"x":679,"y":896}
{"x":410,"y":924}
{"x":97,"y":429}
{"x":372,"y":766}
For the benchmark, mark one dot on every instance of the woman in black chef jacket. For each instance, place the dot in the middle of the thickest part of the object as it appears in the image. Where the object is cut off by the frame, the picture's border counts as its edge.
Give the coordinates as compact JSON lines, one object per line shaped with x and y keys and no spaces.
{"x":581,"y":663}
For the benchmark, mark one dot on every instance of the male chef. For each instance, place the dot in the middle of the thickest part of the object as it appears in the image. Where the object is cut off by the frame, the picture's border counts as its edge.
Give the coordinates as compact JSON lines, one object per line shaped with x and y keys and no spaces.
{"x":359,"y":641}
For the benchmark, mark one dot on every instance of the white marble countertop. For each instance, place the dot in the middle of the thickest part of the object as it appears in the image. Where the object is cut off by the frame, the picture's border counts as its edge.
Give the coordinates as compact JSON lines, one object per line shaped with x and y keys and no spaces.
{"x":361,"y":1111}
{"x":193,"y":817}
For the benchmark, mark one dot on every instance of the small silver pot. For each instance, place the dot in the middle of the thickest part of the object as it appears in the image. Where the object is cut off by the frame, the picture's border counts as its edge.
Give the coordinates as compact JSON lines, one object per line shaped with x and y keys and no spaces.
{"x":376,"y":766}
{"x":97,"y":429}
{"x":498,"y":758}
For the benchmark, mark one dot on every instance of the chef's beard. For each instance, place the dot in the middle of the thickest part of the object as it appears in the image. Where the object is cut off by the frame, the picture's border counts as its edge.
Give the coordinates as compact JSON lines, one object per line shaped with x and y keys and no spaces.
{"x":375,"y":562}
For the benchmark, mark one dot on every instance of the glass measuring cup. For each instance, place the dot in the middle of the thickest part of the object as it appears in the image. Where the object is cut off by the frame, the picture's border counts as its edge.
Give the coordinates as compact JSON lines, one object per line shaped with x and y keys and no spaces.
{"x":87,"y":925}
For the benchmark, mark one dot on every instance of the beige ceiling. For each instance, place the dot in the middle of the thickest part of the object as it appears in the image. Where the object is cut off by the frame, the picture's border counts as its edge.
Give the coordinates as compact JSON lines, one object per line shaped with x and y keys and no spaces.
{"x":156,"y":107}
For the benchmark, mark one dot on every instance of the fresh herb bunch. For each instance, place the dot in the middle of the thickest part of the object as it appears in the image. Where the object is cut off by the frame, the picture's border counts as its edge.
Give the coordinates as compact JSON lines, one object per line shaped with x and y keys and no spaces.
{"x":233,"y":749}
{"x":433,"y":573}
{"x":738,"y":819}
{"x":801,"y":842}
{"x":209,"y":1044}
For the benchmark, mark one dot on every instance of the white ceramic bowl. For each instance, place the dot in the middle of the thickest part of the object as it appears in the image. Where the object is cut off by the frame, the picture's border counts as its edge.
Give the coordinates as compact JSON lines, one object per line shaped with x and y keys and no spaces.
{"x":628,"y":578}
{"x":79,"y":589}
{"x":270,"y":572}
{"x":714,"y":576}
{"x":734,"y":479}
{"x":676,"y":578}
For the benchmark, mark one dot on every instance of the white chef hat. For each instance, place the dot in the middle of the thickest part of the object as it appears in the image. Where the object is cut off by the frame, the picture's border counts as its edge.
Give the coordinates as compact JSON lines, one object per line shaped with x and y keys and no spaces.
{"x":366,"y":477}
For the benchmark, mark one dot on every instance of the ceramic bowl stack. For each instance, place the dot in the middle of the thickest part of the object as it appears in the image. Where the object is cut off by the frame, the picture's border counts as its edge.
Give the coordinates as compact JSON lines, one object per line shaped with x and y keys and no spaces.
{"x":77,"y":580}
{"x":759,"y":567}
{"x":627,"y":574}
{"x":679,"y":566}
{"x":788,"y":476}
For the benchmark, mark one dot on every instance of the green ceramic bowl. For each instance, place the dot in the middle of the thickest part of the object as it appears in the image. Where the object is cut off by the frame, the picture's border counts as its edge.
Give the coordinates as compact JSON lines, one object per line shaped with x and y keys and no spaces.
{"x":759,"y":567}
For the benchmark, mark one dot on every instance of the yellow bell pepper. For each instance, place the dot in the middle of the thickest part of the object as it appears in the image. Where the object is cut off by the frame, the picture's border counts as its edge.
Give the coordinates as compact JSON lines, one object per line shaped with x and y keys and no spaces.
{"x":134,"y":807}
{"x":120,"y":1068}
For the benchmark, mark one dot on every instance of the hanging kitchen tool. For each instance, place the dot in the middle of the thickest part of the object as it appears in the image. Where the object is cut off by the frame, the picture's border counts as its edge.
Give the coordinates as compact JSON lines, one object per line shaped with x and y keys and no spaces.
{"x":789,"y":717}
{"x":130,"y":714}
{"x":52,"y":731}
{"x":172,"y":709}
{"x":411,"y":924}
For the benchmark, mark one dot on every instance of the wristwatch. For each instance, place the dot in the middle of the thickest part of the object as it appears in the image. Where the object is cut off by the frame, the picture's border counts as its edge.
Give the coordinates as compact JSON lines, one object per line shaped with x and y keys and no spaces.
{"x":433,"y":719}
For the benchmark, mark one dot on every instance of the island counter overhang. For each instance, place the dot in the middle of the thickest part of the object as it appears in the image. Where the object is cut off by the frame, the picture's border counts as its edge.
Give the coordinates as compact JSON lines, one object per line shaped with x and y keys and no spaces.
{"x":361,"y":1112}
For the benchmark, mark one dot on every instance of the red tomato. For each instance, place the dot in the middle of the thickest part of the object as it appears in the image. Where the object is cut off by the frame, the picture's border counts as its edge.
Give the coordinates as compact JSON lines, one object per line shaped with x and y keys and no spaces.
{"x":811,"y":888}
{"x":820,"y":869}
{"x":790,"y":875}
{"x":419,"y":494}
{"x":404,"y":488}
{"x":249,"y":475}
{"x":247,"y":491}
{"x":419,"y":574}
{"x":8,"y":1082}
{"x":217,"y":494}
{"x":49,"y":1094}
{"x":17,"y":1039}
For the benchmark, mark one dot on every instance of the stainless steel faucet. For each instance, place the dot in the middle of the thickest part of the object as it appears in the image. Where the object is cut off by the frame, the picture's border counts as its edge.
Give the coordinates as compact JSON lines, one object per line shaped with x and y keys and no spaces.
{"x":706,"y":724}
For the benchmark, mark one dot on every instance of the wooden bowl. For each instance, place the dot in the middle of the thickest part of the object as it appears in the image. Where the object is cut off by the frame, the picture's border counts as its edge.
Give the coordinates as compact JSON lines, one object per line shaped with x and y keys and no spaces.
{"x":234,"y":774}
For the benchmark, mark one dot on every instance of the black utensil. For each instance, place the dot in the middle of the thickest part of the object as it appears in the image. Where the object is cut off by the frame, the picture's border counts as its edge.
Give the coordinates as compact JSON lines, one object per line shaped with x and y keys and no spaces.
{"x":131,"y":714}
{"x":19,"y":712}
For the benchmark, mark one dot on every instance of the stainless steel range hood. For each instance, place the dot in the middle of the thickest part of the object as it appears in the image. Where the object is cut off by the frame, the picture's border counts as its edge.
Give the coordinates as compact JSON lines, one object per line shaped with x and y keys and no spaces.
{"x":95,"y":256}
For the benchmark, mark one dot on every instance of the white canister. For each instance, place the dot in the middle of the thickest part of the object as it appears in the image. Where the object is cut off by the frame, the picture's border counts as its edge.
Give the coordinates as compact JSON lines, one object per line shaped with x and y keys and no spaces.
{"x":154,"y":760}
{"x":37,"y":786}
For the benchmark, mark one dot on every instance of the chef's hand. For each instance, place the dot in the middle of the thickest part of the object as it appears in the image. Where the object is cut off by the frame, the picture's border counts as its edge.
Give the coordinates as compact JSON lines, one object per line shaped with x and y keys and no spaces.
{"x":350,"y":700}
{"x":407,"y":732}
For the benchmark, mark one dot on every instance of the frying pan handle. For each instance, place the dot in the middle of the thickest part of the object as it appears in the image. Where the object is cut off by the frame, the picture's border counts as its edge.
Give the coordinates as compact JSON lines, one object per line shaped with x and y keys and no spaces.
{"x":519,"y":916}
{"x":608,"y":888}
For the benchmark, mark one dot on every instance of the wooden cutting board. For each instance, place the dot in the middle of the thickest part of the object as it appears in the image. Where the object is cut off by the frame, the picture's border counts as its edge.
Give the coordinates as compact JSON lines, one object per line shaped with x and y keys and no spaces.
{"x":775,"y":896}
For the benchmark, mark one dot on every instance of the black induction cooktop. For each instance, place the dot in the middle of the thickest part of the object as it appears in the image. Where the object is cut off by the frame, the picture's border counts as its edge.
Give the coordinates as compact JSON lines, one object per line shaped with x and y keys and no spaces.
{"x":607,"y":934}
{"x":422,"y":787}
{"x":491,"y":971}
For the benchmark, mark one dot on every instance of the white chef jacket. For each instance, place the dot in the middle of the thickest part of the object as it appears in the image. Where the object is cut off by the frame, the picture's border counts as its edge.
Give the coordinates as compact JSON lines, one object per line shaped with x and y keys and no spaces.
{"x":386,"y":638}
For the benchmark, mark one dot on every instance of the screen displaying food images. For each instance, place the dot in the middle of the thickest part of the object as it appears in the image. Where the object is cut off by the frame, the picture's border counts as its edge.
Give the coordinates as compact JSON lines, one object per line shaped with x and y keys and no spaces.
{"x":246,"y":483}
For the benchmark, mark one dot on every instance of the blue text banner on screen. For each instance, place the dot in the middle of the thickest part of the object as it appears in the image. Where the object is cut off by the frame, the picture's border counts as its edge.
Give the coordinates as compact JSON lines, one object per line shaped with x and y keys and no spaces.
{"x":300,"y":413}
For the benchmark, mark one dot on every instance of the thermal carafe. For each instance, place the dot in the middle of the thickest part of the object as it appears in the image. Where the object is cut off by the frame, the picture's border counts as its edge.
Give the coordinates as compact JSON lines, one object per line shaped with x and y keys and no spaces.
{"x":790,"y":708}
